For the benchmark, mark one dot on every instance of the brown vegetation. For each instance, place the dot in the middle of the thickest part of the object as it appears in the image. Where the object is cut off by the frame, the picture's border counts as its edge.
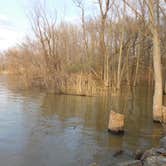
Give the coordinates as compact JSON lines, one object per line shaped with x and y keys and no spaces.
{"x":107,"y":51}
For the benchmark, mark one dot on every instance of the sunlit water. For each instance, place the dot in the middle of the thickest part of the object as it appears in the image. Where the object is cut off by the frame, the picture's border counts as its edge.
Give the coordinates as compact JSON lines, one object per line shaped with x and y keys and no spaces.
{"x":42,"y":129}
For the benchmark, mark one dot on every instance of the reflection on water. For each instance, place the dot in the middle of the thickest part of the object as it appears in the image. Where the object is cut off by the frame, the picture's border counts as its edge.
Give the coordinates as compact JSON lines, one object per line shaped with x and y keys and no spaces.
{"x":42,"y":129}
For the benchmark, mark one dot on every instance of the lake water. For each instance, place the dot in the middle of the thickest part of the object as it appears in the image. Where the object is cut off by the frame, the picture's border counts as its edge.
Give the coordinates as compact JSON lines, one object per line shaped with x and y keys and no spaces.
{"x":44,"y":129}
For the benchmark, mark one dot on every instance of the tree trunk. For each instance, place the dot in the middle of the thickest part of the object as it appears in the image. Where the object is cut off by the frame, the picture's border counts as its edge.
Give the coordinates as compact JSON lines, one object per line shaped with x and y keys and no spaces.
{"x":116,"y":122}
{"x":157,"y":98}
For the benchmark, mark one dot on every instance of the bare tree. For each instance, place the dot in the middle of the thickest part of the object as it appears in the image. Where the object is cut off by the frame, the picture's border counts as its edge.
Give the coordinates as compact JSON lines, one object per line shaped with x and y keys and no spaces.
{"x":105,"y":6}
{"x":157,"y":98}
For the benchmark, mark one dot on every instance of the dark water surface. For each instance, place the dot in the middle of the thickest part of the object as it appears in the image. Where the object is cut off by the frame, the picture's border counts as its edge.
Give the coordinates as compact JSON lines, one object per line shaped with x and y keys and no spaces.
{"x":42,"y":129}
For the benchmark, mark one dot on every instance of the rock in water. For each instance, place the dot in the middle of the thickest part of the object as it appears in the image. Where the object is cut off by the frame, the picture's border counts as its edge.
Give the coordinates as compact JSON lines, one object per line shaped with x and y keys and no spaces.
{"x":118,"y":152}
{"x":93,"y":164}
{"x":116,"y":122}
{"x":138,"y":154}
{"x":161,"y":151}
{"x":149,"y":153}
{"x":131,"y":163}
{"x":155,"y":161}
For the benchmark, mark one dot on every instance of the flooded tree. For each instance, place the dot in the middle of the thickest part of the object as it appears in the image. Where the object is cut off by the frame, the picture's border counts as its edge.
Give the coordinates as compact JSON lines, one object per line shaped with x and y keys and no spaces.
{"x":153,"y":8}
{"x":154,"y":27}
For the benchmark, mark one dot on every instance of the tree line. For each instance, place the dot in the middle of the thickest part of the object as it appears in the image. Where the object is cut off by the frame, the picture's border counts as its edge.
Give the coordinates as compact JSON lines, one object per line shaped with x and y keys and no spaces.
{"x":113,"y":49}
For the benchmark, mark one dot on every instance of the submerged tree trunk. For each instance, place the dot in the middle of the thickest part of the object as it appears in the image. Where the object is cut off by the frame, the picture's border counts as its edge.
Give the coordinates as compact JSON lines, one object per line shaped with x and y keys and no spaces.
{"x":157,"y":98}
{"x":116,"y":122}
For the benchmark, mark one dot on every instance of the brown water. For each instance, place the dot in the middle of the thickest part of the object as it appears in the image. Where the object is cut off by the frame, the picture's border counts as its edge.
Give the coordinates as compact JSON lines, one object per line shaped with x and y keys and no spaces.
{"x":42,"y":129}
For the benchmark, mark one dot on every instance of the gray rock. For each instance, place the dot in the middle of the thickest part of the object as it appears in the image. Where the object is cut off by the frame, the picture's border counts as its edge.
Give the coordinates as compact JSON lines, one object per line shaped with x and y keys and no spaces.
{"x":155,"y":161}
{"x":149,"y":153}
{"x":131,"y":163}
{"x":161,"y":151}
{"x":118,"y":152}
{"x":93,"y":164}
{"x":138,"y":154}
{"x":163,"y":142}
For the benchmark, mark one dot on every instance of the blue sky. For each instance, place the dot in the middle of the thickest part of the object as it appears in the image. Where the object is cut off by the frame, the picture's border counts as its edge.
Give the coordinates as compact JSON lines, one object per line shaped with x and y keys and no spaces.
{"x":14,"y":24}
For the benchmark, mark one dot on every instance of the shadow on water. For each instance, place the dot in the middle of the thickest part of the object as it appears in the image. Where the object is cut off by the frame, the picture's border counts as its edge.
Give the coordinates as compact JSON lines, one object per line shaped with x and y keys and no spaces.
{"x":43,"y":129}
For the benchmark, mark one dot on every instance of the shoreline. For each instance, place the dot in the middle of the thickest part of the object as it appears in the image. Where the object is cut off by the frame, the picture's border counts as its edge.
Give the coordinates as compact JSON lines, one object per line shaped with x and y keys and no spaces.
{"x":155,"y":156}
